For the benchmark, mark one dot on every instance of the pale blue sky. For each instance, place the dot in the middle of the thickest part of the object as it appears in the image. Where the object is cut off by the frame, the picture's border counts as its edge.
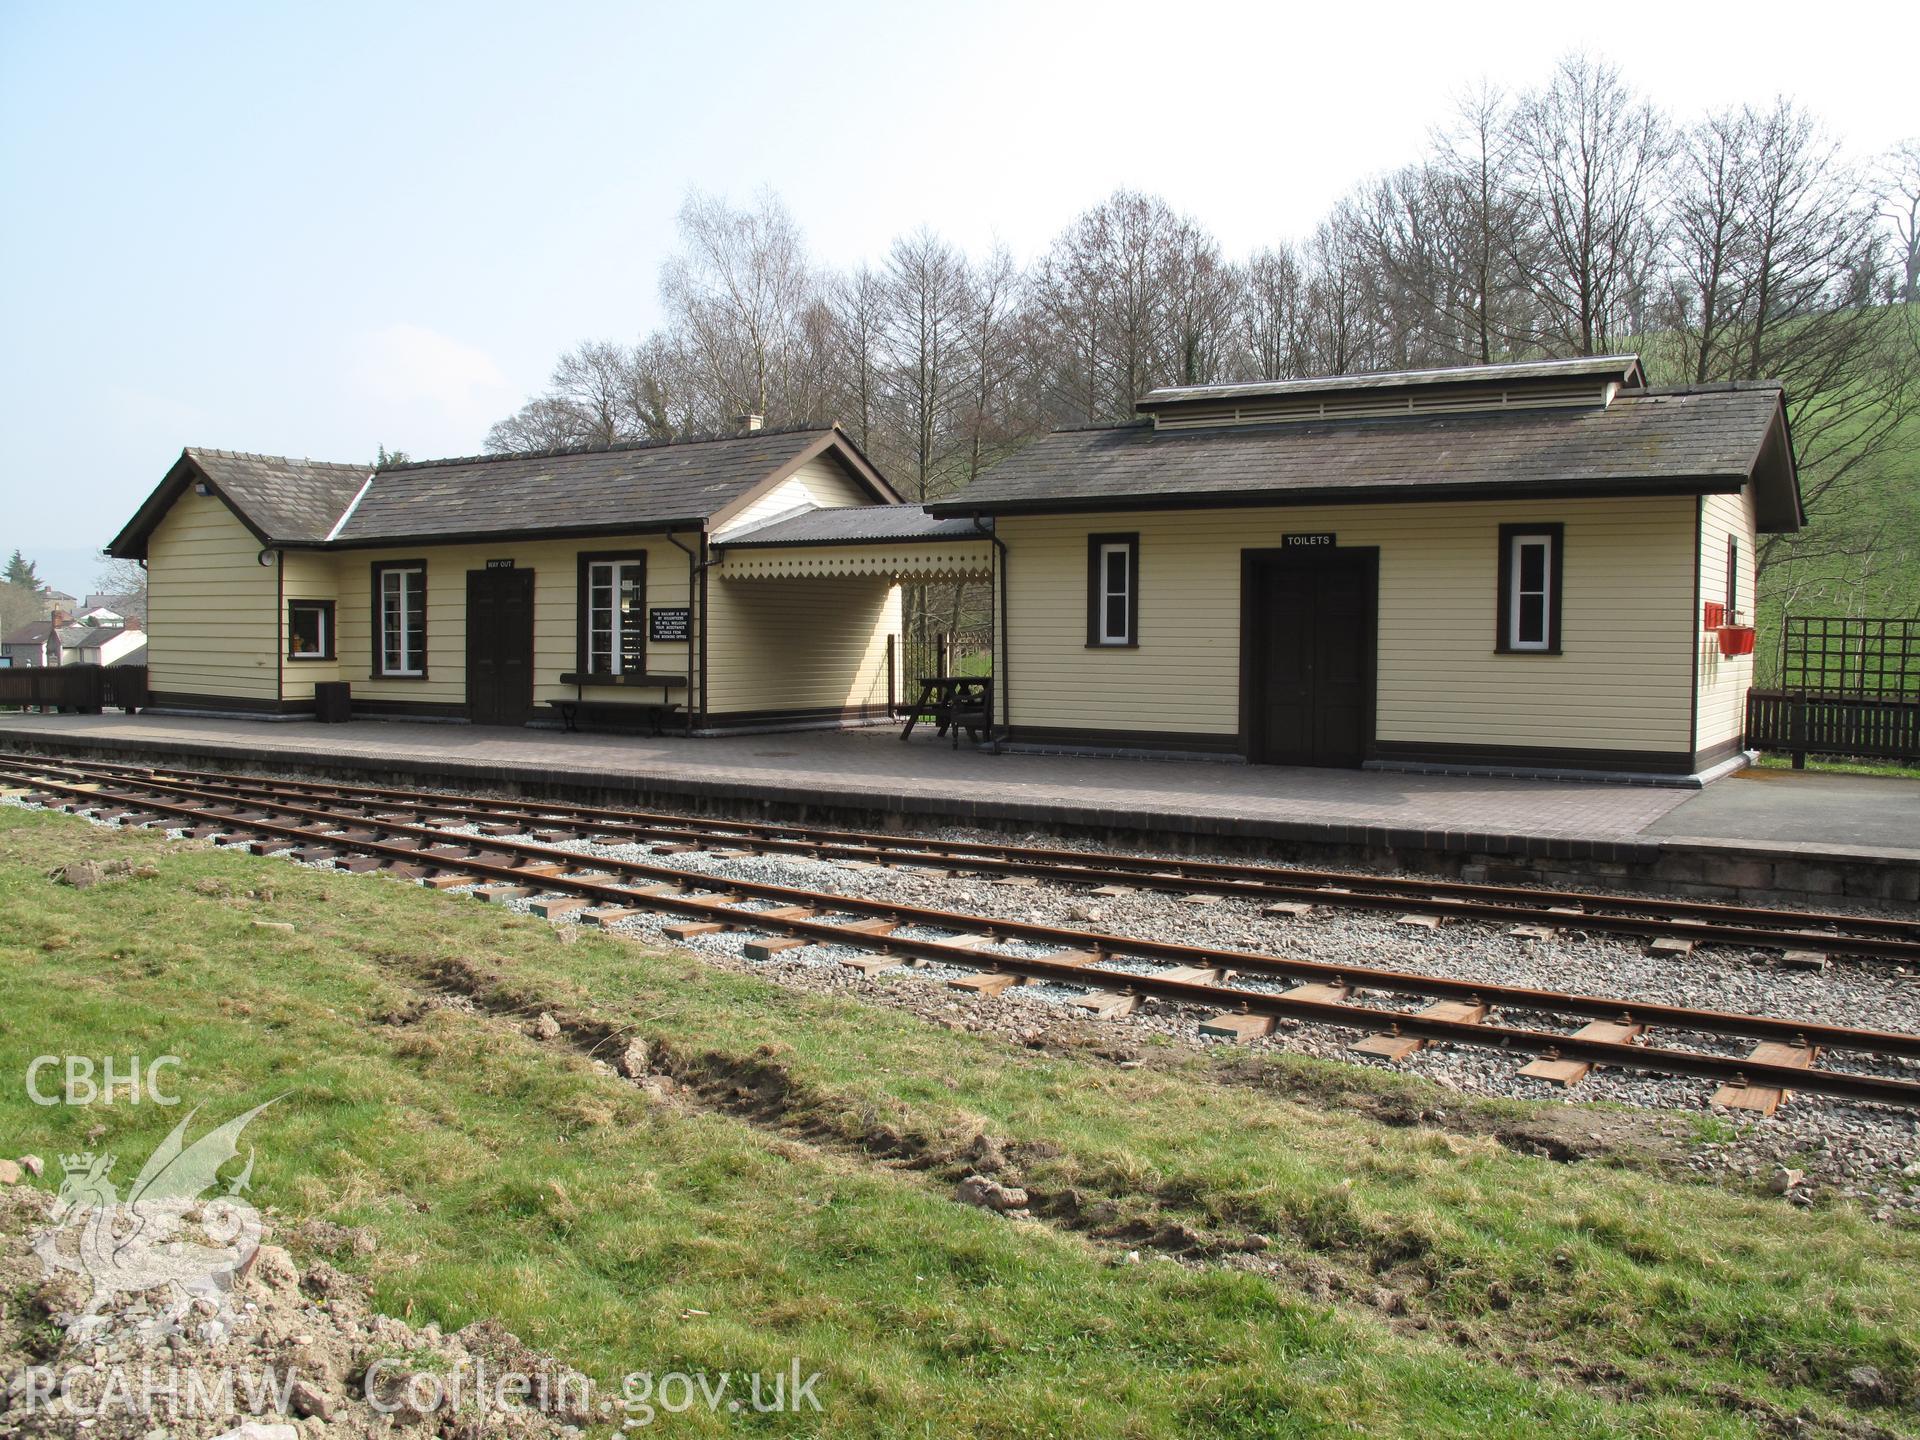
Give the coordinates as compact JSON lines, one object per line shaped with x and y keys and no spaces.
{"x":314,"y":229}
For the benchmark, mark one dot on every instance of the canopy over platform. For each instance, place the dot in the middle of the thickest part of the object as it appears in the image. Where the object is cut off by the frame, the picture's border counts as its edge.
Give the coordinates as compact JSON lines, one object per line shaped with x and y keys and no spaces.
{"x":902,"y":542}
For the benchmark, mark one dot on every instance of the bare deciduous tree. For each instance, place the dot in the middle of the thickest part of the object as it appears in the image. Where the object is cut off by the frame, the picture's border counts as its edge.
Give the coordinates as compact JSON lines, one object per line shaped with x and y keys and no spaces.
{"x":858,"y":305}
{"x":928,"y":301}
{"x":1775,"y":263}
{"x":1272,"y":315}
{"x":124,"y":583}
{"x":1571,"y":220}
{"x":739,"y":293}
{"x":1202,"y":294}
{"x":1898,"y":186}
{"x":1593,"y":153}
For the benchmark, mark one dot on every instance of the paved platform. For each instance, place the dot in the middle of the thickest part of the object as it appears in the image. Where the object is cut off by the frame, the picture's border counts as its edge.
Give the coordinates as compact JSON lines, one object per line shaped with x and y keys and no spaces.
{"x":858,"y":775}
{"x":1868,"y":814}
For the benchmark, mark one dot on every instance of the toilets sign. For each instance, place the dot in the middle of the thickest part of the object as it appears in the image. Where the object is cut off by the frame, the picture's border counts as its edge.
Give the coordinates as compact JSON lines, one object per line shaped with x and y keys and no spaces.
{"x":1308,"y":540}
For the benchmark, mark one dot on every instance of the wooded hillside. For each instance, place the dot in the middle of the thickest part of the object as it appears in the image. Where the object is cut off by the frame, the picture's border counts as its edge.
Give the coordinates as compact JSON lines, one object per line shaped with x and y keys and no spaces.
{"x":1572,"y":218}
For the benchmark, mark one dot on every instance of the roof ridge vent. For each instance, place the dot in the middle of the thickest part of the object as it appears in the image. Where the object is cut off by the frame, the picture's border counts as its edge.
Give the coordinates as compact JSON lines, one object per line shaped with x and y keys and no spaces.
{"x":1462,"y":389}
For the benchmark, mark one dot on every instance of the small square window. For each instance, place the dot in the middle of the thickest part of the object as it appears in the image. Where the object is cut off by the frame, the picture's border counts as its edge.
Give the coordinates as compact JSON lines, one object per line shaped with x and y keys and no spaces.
{"x":310,"y":629}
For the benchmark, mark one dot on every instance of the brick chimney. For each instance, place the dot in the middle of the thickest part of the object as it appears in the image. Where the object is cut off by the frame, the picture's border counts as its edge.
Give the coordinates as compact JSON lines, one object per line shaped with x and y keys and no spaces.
{"x":132,"y":622}
{"x":60,"y":617}
{"x":749,"y":423}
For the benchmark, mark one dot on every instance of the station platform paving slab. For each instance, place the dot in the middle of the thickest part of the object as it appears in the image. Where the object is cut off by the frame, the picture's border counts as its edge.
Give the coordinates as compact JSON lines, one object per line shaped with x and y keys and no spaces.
{"x":1730,"y":838}
{"x":1843,"y":814}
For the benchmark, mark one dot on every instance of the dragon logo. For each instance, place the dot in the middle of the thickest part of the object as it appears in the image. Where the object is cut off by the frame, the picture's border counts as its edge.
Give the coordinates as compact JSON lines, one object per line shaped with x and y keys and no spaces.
{"x":165,"y":1234}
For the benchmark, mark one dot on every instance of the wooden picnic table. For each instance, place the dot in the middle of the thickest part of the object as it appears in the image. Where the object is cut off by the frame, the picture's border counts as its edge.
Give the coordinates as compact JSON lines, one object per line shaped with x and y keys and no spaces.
{"x":954,"y":702}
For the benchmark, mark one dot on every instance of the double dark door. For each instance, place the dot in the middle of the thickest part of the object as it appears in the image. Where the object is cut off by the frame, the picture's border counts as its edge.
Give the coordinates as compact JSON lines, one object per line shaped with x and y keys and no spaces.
{"x":1307,"y":655}
{"x":500,"y":646}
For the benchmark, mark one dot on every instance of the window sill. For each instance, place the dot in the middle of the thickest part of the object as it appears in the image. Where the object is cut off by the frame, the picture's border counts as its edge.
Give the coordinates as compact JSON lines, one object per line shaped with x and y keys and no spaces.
{"x":1510,"y":650}
{"x":1113,"y":645}
{"x":315,"y":659}
{"x":397,"y":675}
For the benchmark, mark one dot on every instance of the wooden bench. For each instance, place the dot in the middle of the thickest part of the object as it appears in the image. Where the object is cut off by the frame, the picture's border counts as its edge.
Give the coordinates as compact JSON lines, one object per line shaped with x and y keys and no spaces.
{"x":617,"y":713}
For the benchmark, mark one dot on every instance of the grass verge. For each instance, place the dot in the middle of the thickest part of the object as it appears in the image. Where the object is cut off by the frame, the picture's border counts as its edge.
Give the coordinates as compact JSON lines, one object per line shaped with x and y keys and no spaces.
{"x":792,"y":1197}
{"x":1831,"y":765}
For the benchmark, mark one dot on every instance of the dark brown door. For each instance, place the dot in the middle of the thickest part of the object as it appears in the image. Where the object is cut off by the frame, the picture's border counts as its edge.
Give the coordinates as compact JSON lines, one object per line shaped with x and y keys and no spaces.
{"x":1307,"y":656}
{"x":500,"y":646}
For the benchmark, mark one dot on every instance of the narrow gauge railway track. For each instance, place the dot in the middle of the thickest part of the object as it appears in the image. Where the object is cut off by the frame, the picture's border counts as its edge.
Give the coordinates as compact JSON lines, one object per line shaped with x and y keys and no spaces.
{"x":1707,"y":923}
{"x":416,"y":851}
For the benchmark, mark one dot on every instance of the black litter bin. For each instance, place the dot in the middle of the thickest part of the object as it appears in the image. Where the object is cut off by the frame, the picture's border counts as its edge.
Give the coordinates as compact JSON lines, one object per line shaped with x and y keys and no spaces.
{"x":333,"y":702}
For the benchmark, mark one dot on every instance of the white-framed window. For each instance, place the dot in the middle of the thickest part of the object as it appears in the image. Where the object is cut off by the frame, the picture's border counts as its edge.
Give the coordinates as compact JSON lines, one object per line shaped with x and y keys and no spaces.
{"x":617,"y":616}
{"x":400,"y":632}
{"x":1113,"y":590}
{"x":310,"y":630}
{"x":1530,"y":603}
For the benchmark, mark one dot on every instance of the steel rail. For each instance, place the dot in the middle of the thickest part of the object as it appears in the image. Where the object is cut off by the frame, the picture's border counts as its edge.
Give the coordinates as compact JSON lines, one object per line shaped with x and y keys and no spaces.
{"x":1509,"y":997}
{"x":937,"y":851}
{"x":1638,"y":1057}
{"x":1876,"y":936}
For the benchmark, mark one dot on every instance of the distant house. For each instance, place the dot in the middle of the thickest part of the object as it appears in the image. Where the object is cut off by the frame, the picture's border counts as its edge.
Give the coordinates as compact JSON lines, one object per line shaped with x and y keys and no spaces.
{"x":59,"y":641}
{"x":122,"y":607}
{"x":58,"y":602}
{"x":35,"y":643}
{"x":103,"y":645}
{"x":99,"y":615}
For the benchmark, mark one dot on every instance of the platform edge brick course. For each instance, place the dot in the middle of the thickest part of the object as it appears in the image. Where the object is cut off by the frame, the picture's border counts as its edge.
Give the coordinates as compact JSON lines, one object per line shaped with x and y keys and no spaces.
{"x":859,"y":780}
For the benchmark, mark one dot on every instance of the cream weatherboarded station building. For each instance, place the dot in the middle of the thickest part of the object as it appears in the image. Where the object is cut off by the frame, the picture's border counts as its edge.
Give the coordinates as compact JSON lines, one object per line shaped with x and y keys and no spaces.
{"x":512,"y":589}
{"x":1536,"y":565}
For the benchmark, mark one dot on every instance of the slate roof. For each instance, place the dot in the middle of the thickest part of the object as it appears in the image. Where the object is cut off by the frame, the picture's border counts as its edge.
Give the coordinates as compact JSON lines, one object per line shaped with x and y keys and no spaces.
{"x":34,"y":632}
{"x":625,"y":487}
{"x":293,"y":500}
{"x":854,"y":525}
{"x":601,"y":489}
{"x":87,"y":637}
{"x":281,"y":500}
{"x":1692,"y":440}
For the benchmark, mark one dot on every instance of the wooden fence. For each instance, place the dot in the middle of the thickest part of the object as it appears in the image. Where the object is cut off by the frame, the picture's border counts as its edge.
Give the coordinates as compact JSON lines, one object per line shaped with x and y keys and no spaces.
{"x":86,"y":689}
{"x":1865,"y":727}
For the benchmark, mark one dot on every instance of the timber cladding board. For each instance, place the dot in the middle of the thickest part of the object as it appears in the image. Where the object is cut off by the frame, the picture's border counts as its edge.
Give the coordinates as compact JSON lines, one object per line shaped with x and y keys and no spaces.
{"x":1623,"y":680}
{"x":818,"y":644}
{"x":220,"y":624}
{"x":212,"y":620}
{"x":307,"y":575}
{"x":555,"y":566}
{"x":1723,"y":679}
{"x":819,"y":482}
